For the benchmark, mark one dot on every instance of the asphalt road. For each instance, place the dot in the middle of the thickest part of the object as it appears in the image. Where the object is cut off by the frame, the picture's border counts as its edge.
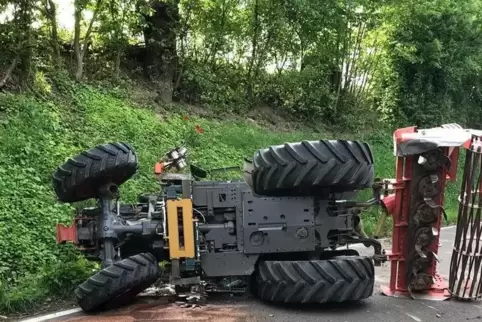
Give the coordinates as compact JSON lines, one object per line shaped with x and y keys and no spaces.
{"x":377,"y":308}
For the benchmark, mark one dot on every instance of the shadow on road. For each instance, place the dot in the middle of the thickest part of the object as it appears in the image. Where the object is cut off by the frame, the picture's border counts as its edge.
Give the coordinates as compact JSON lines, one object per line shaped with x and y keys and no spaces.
{"x":332,"y":308}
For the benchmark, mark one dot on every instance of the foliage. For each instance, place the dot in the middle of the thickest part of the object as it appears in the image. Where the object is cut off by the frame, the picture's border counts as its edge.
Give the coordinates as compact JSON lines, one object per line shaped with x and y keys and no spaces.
{"x":220,"y":91}
{"x":395,"y":62}
{"x":230,"y":55}
{"x":433,"y":63}
{"x":279,"y":54}
{"x":27,"y":205}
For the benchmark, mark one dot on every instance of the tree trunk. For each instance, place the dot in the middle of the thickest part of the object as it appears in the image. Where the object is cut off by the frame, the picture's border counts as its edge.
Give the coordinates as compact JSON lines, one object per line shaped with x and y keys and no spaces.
{"x":337,"y":69}
{"x":117,"y":65}
{"x":26,"y":49}
{"x":219,"y":36}
{"x":9,"y":72}
{"x":262,"y":54}
{"x":160,"y":38}
{"x":182,"y":52}
{"x":356,"y":59}
{"x":117,"y":23}
{"x":51,"y":15}
{"x":55,"y":40}
{"x":79,"y":51}
{"x":345,"y":54}
{"x":368,"y":70}
{"x":254,"y":48}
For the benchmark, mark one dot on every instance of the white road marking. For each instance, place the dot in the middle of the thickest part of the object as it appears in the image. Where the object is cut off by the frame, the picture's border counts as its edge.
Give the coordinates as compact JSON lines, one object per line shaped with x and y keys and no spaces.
{"x":53,"y":315}
{"x":448,"y":227}
{"x":414,"y":317}
{"x":431,"y":307}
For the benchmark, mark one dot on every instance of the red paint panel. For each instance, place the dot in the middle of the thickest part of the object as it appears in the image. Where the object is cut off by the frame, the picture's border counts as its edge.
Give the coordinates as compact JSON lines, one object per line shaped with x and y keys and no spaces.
{"x":66,"y":233}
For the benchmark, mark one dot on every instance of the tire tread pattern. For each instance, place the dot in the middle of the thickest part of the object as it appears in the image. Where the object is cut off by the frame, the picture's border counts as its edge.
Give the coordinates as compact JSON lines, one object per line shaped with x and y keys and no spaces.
{"x":80,"y":176}
{"x":133,"y":275}
{"x":346,"y":278}
{"x":304,"y":167}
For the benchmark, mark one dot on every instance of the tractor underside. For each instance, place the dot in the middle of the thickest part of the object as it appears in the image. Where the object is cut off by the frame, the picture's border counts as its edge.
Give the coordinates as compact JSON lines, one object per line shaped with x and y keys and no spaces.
{"x":277,"y":232}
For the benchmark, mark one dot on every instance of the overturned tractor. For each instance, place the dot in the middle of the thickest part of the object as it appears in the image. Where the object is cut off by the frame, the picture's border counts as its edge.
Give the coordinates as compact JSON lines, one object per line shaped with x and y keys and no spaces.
{"x":279,"y":230}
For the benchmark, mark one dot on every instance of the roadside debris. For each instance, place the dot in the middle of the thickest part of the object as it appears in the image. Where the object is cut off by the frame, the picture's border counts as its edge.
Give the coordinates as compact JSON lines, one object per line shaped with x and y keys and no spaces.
{"x":164,"y":290}
{"x":191,"y":300}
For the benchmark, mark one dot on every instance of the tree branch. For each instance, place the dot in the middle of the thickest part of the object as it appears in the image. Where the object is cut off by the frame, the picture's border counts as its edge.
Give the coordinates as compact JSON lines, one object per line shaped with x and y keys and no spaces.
{"x":89,"y":29}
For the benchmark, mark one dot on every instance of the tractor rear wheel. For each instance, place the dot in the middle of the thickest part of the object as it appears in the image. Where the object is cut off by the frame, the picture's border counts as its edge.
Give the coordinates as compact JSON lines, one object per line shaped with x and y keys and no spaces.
{"x":305,"y":168}
{"x":118,"y":283}
{"x":82,"y":175}
{"x":344,"y":278}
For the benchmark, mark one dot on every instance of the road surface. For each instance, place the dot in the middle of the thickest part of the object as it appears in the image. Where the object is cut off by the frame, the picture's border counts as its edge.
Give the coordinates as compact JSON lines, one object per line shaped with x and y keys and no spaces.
{"x":378,"y":308}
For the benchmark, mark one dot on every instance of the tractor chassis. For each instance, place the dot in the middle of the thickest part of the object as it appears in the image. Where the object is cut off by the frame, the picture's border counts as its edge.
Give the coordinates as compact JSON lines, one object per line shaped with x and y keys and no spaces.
{"x":225,"y":236}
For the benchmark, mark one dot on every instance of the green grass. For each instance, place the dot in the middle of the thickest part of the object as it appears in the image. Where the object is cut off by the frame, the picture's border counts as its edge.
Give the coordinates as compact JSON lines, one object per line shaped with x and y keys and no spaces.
{"x":37,"y":135}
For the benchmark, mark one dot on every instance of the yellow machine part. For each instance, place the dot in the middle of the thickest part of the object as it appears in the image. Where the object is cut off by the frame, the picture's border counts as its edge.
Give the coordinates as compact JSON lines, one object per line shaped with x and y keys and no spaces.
{"x":180,"y":210}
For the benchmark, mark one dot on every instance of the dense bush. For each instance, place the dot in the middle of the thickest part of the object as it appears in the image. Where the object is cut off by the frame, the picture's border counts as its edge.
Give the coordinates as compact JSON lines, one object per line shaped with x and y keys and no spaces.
{"x":430,"y":72}
{"x":300,"y":95}
{"x":221,"y":90}
{"x":34,"y":142}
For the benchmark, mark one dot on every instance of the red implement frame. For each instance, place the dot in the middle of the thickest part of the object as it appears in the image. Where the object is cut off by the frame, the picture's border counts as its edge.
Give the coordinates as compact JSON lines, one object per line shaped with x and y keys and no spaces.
{"x":69,"y":233}
{"x":400,"y":214}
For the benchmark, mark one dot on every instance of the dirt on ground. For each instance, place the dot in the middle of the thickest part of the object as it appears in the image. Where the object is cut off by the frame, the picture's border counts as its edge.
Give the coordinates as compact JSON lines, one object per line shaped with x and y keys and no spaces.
{"x":169,"y":312}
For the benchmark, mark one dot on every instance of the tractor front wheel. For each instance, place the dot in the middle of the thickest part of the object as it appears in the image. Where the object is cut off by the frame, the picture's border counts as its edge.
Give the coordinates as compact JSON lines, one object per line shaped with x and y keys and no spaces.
{"x":118,"y":283}
{"x":82,"y":175}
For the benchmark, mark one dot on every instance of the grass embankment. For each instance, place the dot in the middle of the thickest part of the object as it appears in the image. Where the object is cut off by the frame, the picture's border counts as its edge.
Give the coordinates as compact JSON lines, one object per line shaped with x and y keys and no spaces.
{"x":38,"y":135}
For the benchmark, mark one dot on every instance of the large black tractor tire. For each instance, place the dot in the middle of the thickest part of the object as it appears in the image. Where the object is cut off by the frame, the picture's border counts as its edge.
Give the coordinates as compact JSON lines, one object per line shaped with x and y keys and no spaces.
{"x":118,"y":283}
{"x":341,"y":279}
{"x":82,"y":175}
{"x":307,"y":167}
